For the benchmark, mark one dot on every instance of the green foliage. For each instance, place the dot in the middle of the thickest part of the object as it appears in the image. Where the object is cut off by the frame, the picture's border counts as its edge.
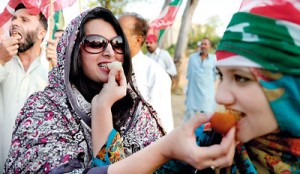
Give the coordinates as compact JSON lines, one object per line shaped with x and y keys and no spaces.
{"x":207,"y":30}
{"x":171,"y":50}
{"x":144,"y":49}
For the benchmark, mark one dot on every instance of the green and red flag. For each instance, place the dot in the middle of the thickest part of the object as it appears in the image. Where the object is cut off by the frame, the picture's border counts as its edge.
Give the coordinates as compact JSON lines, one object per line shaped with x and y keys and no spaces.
{"x":165,"y":19}
{"x":34,"y":7}
{"x":59,"y":21}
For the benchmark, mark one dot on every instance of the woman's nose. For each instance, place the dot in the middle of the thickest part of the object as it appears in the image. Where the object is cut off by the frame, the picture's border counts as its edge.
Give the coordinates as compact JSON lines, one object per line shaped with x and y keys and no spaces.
{"x":109,"y":51}
{"x":224,"y":95}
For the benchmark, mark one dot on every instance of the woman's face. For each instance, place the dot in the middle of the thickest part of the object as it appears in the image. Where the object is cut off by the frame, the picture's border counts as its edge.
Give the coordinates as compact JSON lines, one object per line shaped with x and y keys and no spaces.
{"x":95,"y":65}
{"x":239,"y":90}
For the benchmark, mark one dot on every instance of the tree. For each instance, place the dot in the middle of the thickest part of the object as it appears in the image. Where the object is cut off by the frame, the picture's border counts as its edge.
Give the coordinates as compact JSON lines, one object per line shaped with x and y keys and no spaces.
{"x":207,"y":30}
{"x":183,"y":39}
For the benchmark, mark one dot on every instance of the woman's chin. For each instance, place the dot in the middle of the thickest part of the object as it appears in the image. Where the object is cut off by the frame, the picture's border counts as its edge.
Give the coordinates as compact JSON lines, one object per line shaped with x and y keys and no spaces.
{"x":242,"y":137}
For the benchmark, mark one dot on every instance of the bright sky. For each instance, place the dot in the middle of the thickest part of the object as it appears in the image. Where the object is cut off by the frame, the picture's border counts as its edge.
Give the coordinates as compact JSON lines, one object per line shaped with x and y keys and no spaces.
{"x":151,"y":9}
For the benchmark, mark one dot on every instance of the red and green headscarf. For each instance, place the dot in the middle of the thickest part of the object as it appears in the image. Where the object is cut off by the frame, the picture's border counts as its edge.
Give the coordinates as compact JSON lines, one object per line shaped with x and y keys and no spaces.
{"x":265,"y":36}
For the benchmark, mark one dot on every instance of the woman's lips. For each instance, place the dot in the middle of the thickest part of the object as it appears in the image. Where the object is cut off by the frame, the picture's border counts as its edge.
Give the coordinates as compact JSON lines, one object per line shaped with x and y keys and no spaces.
{"x":237,"y":114}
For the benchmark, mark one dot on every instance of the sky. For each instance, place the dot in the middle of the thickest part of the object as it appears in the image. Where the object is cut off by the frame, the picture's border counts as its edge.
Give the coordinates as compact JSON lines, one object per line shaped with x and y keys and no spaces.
{"x":150,"y":9}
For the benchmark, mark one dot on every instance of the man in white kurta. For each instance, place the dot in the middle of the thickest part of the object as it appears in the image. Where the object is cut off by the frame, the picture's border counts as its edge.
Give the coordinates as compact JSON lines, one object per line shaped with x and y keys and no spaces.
{"x":16,"y":85}
{"x":152,"y":80}
{"x":23,"y":70}
{"x":155,"y":86}
{"x":160,"y":56}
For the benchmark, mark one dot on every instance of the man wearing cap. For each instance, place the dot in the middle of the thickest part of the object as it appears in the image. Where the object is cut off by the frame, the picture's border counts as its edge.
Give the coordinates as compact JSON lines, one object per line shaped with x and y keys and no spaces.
{"x":152,"y":80}
{"x":160,"y":56}
{"x":22,"y":69}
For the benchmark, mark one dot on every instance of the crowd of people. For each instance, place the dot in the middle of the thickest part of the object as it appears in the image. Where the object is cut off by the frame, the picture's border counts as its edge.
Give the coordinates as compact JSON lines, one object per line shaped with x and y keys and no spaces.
{"x":66,"y":110}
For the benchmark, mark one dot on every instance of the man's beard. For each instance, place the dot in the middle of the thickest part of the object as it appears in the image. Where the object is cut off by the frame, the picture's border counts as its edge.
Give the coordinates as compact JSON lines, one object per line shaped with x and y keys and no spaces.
{"x":203,"y":52}
{"x":30,"y":39}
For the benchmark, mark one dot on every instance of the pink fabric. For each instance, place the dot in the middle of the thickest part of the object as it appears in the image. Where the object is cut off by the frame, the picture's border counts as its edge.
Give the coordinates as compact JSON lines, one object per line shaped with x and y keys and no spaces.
{"x":287,"y":10}
{"x":151,"y":38}
{"x":34,"y":7}
{"x":223,"y":54}
{"x":166,"y":19}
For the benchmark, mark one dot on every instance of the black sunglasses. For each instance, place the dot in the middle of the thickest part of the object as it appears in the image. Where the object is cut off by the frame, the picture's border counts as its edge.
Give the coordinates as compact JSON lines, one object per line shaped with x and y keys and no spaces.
{"x":96,"y":44}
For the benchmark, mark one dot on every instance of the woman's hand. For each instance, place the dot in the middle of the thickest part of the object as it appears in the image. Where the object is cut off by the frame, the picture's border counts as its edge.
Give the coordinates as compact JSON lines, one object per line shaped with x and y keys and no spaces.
{"x":113,"y":90}
{"x":181,"y":144}
{"x":102,"y":122}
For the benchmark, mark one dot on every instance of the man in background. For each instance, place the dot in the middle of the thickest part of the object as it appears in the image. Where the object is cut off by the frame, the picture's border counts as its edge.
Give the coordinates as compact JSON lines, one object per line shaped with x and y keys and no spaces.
{"x":160,"y":56}
{"x":201,"y":75}
{"x":23,"y":69}
{"x":152,"y":81}
{"x":57,"y":34}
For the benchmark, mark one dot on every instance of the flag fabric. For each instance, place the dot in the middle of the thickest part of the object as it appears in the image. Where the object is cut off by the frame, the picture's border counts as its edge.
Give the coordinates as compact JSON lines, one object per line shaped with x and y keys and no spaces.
{"x":245,"y":34}
{"x":59,"y":21}
{"x":8,"y":11}
{"x":165,"y":19}
{"x":34,"y":7}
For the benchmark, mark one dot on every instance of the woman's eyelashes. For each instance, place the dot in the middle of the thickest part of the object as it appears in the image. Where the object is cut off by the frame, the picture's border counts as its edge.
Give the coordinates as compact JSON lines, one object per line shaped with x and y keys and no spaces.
{"x":219,"y":75}
{"x":241,"y":79}
{"x":236,"y":76}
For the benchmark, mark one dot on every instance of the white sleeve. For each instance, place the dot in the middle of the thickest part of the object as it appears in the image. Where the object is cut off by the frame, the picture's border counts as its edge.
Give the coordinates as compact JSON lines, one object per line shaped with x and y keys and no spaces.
{"x":171,"y":68}
{"x":3,"y":73}
{"x":161,"y":97}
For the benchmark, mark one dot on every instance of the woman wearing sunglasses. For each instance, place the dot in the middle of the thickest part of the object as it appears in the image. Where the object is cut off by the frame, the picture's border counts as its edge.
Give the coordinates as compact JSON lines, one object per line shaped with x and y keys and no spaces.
{"x":66,"y":125}
{"x":89,"y":116}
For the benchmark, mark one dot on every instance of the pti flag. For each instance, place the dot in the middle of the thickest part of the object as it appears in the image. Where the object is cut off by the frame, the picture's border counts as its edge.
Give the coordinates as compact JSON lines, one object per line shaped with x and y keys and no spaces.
{"x":59,"y":21}
{"x":34,"y":7}
{"x":165,"y":19}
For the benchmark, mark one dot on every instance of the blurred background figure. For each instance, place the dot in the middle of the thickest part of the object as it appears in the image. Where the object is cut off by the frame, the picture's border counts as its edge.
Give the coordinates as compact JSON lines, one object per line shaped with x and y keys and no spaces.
{"x":152,"y":80}
{"x":201,"y":77}
{"x":58,"y":34}
{"x":160,"y":56}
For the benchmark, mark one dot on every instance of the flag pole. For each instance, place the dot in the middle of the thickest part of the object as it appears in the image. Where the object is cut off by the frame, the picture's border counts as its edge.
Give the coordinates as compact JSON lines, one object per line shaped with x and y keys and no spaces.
{"x":50,"y":28}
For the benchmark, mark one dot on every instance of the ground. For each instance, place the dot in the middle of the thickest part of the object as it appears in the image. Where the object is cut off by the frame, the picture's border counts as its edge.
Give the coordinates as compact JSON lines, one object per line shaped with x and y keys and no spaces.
{"x":178,"y":108}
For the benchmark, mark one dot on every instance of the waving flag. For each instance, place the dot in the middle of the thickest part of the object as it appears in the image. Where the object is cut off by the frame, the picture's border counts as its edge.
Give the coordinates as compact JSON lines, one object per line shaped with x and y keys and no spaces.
{"x":59,"y":21}
{"x":165,"y":19}
{"x":34,"y":7}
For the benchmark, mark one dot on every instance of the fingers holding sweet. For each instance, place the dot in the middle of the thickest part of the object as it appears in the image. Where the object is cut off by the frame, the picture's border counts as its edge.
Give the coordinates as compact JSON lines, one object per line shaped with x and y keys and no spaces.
{"x":228,"y":145}
{"x":17,"y":36}
{"x":196,"y":121}
{"x":115,"y":88}
{"x":220,"y":155}
{"x":8,"y":48}
{"x":214,"y":156}
{"x":117,"y":70}
{"x":180,"y":143}
{"x":115,"y":64}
